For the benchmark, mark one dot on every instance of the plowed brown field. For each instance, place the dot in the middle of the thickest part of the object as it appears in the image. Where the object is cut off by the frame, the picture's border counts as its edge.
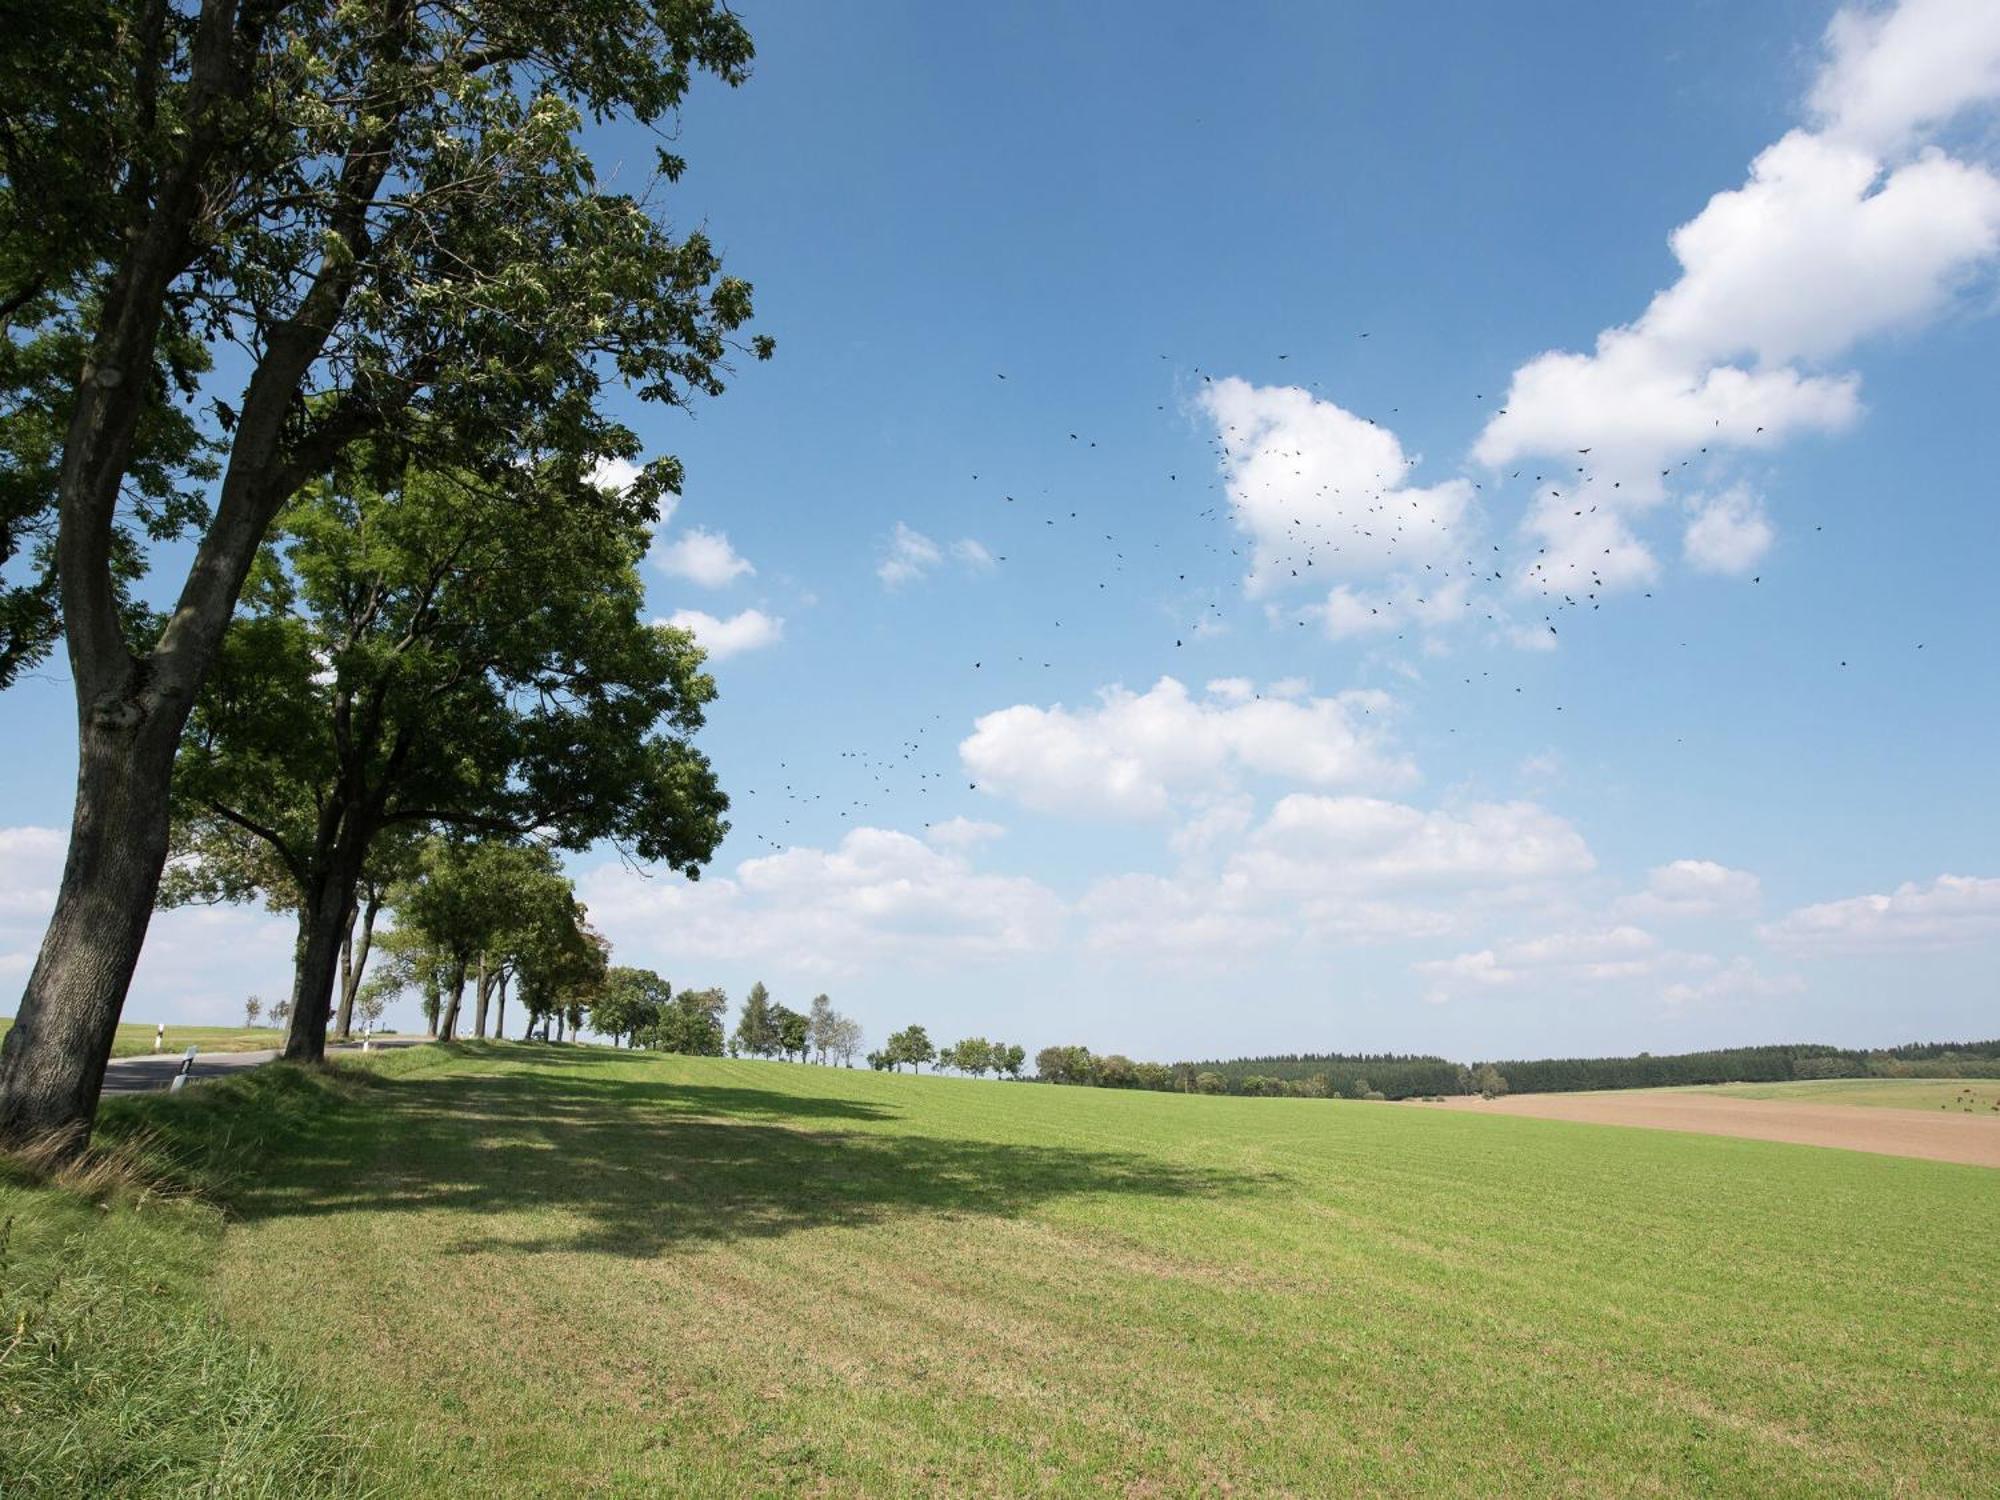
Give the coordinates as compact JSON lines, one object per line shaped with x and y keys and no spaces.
{"x":1936,"y":1135}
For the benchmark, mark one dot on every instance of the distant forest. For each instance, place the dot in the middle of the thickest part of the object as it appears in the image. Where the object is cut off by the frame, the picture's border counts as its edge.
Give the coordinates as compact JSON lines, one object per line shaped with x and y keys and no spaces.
{"x":1405,"y":1076}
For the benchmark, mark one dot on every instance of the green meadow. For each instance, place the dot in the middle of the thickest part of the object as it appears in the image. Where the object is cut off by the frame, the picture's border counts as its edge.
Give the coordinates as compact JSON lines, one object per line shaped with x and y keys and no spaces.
{"x":135,"y":1039}
{"x":520,"y":1270}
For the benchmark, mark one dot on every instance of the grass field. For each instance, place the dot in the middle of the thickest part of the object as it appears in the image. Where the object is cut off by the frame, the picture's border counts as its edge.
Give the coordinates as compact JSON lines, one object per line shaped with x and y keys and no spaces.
{"x":578,"y":1272}
{"x":1880,"y":1093}
{"x":135,"y":1038}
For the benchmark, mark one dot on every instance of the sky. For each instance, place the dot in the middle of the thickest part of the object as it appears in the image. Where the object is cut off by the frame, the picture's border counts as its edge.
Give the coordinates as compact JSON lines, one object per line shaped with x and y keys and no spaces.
{"x":1277,"y":528}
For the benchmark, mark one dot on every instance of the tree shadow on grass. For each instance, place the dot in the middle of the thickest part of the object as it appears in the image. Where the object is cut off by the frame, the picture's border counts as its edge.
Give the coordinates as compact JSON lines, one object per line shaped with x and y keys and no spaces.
{"x":557,"y":1162}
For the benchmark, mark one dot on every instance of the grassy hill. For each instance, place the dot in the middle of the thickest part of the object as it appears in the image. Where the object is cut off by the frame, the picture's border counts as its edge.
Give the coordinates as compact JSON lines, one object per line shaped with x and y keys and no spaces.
{"x":568,"y":1271}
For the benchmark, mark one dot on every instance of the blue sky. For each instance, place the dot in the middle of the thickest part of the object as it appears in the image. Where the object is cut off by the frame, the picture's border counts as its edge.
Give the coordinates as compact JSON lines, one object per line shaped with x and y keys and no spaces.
{"x":1088,"y":764}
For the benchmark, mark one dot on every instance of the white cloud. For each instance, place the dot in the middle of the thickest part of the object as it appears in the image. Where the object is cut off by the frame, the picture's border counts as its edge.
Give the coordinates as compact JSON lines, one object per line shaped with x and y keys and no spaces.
{"x":909,"y":555}
{"x":1897,"y":71}
{"x":1338,"y":869}
{"x":1599,"y":956}
{"x":1729,"y":533}
{"x":881,"y":896}
{"x":1838,"y":234}
{"x":1951,"y":911}
{"x":198,"y":963}
{"x":747,"y":630}
{"x":1323,"y":492}
{"x":1698,"y":888}
{"x":961,"y":833}
{"x":1739,"y":979}
{"x":702,"y":557}
{"x":1136,"y":754}
{"x":972,"y":553}
{"x":1317,"y":843}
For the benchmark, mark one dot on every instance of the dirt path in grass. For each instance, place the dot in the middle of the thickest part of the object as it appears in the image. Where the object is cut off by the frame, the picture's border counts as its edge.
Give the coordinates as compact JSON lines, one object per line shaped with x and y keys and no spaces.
{"x":1938,"y":1135}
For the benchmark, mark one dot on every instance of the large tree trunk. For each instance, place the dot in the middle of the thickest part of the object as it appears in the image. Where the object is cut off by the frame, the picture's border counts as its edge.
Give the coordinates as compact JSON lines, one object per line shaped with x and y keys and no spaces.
{"x":448,"y":1025}
{"x":500,"y":1015}
{"x":52,"y":1063}
{"x":326,"y":915}
{"x":353,"y":967}
{"x":485,"y":993}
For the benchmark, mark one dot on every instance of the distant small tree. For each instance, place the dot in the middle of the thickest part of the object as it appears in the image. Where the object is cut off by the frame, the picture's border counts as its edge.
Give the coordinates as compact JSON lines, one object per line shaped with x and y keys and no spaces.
{"x":792,"y":1030}
{"x":820,"y":1021}
{"x":1066,"y":1065}
{"x":1010,"y":1059}
{"x":252,"y":1009}
{"x":974,"y":1055}
{"x":756,"y":1033}
{"x":843,"y":1039}
{"x":280,"y":1012}
{"x":691,"y":1024}
{"x":629,"y":1002}
{"x":1358,"y":1089}
{"x":911,"y":1045}
{"x":1117,"y":1072}
{"x":1210,"y":1083}
{"x":1487,"y":1082}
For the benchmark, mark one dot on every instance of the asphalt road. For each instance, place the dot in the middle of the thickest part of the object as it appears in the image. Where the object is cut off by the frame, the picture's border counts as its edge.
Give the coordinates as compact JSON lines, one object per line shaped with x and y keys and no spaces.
{"x":142,"y":1075}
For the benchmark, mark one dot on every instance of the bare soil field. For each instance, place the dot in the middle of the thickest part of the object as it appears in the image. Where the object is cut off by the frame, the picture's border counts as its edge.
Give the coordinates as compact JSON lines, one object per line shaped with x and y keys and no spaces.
{"x":1936,"y":1135}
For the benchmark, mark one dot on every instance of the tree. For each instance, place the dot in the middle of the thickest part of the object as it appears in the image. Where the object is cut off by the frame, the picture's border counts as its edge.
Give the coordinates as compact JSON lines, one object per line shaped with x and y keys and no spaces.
{"x":1210,"y":1083}
{"x":252,"y":1009}
{"x":756,"y":1029}
{"x":390,"y":213}
{"x":974,"y":1055}
{"x":492,"y":670}
{"x":911,"y":1045}
{"x":791,"y":1031}
{"x":631,"y":1001}
{"x":280,"y":1009}
{"x":820,"y":1022}
{"x":843,"y":1039}
{"x":1066,"y":1065}
{"x":1010,"y":1059}
{"x":1487,"y":1082}
{"x":691,"y":1024}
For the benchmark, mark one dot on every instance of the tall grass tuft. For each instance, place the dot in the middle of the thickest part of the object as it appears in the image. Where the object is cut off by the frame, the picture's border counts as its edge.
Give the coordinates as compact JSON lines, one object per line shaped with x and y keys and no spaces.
{"x":117,"y":1379}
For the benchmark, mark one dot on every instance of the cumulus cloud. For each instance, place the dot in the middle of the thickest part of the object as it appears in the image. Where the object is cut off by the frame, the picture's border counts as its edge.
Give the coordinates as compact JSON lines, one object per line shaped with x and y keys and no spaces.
{"x":1698,"y":888}
{"x":1138,"y":754}
{"x":703,"y":557}
{"x":1324,"y":493}
{"x":198,"y":963}
{"x":1593,"y":956}
{"x":881,"y":896}
{"x":1894,"y":72}
{"x":1840,"y":233}
{"x":1323,"y":868}
{"x":1739,"y":979}
{"x":747,"y":630}
{"x":1952,"y":911}
{"x":1728,"y":533}
{"x":961,"y":833}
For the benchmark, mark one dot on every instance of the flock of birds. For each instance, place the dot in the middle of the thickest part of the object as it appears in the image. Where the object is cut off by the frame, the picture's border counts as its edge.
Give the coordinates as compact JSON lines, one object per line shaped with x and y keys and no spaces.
{"x":1400,"y":540}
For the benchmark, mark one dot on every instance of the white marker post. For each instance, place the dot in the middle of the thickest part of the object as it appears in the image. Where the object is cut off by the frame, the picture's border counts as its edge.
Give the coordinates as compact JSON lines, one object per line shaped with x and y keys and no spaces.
{"x":187,"y":1066}
{"x":160,"y":1037}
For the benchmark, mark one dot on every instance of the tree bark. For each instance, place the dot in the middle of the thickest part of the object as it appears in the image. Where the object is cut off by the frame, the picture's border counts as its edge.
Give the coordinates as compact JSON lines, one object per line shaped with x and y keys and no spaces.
{"x":500,"y":1016}
{"x":484,"y":993}
{"x":351,"y":974}
{"x":448,"y":1024}
{"x":52,"y":1063}
{"x":326,"y":915}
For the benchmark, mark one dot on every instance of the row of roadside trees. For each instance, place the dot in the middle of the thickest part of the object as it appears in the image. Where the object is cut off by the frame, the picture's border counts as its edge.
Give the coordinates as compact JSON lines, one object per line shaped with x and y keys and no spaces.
{"x":408,"y":640}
